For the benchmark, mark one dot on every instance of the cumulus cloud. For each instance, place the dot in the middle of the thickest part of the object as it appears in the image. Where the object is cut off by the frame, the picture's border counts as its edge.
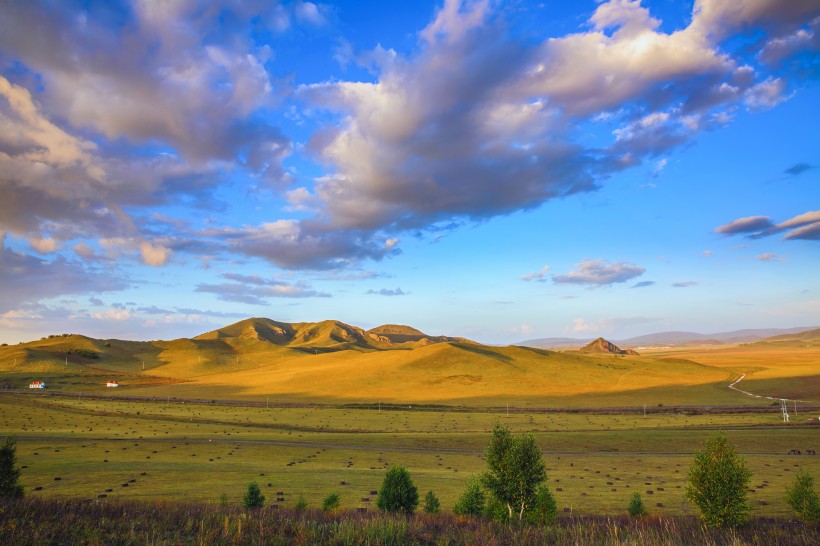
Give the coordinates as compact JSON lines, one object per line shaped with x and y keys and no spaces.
{"x":256,"y":290}
{"x":538,"y":276}
{"x":387,"y":292}
{"x":151,"y":103}
{"x":599,"y":273}
{"x":803,"y":226}
{"x":28,"y":278}
{"x":433,"y":137}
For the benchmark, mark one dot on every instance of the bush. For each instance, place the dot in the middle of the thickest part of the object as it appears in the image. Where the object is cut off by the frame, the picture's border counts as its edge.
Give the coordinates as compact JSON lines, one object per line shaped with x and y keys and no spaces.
{"x":802,"y":497}
{"x":10,"y":487}
{"x":223,"y":499}
{"x":718,"y":484}
{"x":398,"y":493}
{"x":301,"y":504}
{"x":254,"y":497}
{"x":543,"y":509}
{"x":331,"y":502}
{"x":431,"y":503}
{"x":636,"y":508}
{"x":471,"y":503}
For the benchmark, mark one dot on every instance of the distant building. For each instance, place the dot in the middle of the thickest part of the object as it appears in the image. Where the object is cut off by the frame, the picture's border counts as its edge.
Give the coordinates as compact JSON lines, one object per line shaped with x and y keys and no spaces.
{"x":112,"y":384}
{"x":37,"y":385}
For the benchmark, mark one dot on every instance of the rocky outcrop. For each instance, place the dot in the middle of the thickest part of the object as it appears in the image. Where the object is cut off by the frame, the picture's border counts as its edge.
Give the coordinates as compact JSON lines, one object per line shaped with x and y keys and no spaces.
{"x":601,"y":345}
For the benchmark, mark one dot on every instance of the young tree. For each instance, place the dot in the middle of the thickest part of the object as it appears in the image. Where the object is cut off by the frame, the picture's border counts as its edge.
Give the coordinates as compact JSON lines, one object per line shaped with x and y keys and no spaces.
{"x":636,"y":508}
{"x":802,"y":497}
{"x":301,"y":504}
{"x":253,"y":497}
{"x":471,"y":502}
{"x":543,"y":509}
{"x":10,"y":487}
{"x":331,"y":502}
{"x":718,"y":483}
{"x":398,"y":493}
{"x":516,"y":469}
{"x":431,"y":503}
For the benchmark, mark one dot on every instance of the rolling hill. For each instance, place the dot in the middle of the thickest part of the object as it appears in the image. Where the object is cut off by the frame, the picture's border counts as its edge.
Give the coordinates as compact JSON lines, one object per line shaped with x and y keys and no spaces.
{"x":331,"y":361}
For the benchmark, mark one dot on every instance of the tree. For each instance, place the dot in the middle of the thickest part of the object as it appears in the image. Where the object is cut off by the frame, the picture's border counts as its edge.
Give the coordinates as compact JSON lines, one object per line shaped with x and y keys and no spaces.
{"x":398,"y":493}
{"x":431,"y":503}
{"x":636,"y":508}
{"x":543,"y":509}
{"x":10,"y":487}
{"x":301,"y":504}
{"x":516,"y":469}
{"x":718,"y":483}
{"x":253,"y":497}
{"x":802,"y":497}
{"x":471,"y":502}
{"x":331,"y":502}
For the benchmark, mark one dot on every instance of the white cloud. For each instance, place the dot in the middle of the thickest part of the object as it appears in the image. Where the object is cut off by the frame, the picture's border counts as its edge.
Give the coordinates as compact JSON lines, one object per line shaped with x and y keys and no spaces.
{"x":599,"y":273}
{"x":537,"y":275}
{"x":154,"y":254}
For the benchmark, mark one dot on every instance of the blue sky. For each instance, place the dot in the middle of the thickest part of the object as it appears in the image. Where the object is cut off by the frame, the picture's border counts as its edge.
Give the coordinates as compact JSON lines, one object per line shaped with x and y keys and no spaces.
{"x":500,"y":170}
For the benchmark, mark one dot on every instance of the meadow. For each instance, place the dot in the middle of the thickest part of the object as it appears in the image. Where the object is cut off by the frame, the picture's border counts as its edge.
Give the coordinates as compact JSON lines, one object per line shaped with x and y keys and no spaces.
{"x":178,"y":450}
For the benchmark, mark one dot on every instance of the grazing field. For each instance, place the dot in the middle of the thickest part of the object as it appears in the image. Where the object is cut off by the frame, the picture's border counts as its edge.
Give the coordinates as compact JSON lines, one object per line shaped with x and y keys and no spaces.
{"x":86,"y":447}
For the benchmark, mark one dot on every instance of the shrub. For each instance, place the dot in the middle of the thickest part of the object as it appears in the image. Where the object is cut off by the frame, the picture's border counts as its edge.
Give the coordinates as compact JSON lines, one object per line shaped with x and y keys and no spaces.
{"x":718,"y":483}
{"x":301,"y":504}
{"x":223,"y":499}
{"x":253,"y":497}
{"x":10,"y":487}
{"x":802,"y":497}
{"x":331,"y":502}
{"x":543,"y":509}
{"x":471,"y":502}
{"x":516,"y":470}
{"x":431,"y":503}
{"x":636,"y":508}
{"x":398,"y":493}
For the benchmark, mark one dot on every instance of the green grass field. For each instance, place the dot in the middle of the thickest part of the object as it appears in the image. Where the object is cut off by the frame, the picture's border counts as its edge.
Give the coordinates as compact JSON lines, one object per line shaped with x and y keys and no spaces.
{"x":184,"y":451}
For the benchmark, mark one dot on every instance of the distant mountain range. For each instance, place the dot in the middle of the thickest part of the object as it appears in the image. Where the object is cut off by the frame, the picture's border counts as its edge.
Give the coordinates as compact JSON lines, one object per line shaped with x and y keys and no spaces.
{"x":674,"y":339}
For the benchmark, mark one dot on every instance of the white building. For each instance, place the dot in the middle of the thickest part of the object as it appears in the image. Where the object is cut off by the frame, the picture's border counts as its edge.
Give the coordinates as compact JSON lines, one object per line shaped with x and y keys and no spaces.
{"x":37,"y":385}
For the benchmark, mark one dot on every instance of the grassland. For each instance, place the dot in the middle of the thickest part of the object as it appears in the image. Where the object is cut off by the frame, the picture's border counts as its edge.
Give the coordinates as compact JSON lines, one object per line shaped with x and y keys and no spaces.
{"x":186,"y":451}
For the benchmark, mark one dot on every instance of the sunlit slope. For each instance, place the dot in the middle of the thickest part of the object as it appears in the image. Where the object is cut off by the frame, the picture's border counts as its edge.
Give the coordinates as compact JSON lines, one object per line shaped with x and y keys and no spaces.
{"x":781,"y":367}
{"x":453,"y":372}
{"x":332,"y":361}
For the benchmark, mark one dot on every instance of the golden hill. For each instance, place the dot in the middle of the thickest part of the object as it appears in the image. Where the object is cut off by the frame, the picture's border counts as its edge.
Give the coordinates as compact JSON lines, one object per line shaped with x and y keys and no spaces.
{"x":331,"y":361}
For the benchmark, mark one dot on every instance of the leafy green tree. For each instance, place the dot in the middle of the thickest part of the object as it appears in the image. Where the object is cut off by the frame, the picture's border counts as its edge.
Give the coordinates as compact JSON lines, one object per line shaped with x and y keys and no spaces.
{"x":253,"y":497}
{"x":398,"y":493}
{"x":431,"y":503}
{"x":10,"y":487}
{"x":331,"y":502}
{"x":543,"y":509}
{"x":516,"y":469}
{"x":471,"y":502}
{"x":636,"y":508}
{"x":802,"y":497}
{"x":718,"y":483}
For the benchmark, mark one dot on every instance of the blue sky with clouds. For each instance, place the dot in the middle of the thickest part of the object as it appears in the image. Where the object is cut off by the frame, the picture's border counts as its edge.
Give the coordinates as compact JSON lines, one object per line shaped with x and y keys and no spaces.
{"x":500,"y":170}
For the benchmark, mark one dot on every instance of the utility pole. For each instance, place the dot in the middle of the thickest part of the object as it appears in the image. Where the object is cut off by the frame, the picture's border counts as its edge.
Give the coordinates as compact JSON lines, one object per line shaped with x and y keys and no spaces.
{"x":644,"y":410}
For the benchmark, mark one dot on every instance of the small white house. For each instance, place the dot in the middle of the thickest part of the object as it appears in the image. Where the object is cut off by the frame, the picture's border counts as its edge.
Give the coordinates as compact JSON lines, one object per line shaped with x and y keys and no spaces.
{"x":112,"y":384}
{"x":37,"y":385}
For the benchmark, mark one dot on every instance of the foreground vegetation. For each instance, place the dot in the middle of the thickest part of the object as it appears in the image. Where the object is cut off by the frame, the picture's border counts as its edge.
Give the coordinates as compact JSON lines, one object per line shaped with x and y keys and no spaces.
{"x":72,"y":521}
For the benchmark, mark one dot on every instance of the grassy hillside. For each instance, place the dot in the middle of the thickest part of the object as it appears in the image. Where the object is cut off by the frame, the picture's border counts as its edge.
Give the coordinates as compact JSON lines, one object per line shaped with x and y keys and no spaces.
{"x":335,"y":362}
